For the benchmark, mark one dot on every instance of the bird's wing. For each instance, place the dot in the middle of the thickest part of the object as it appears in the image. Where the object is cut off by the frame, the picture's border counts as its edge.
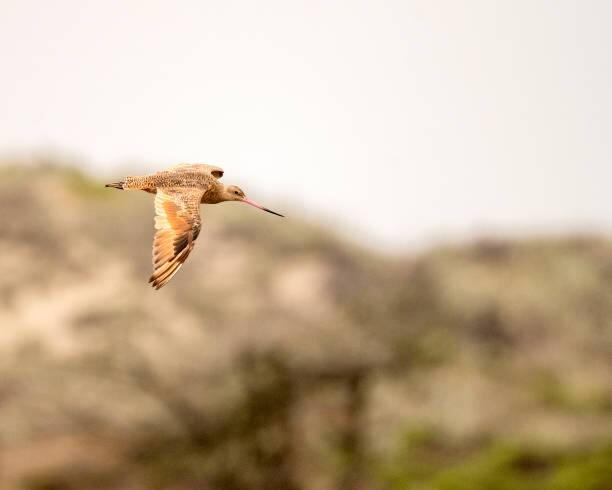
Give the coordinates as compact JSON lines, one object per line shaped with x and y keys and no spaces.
{"x":178,"y":223}
{"x":216,"y":172}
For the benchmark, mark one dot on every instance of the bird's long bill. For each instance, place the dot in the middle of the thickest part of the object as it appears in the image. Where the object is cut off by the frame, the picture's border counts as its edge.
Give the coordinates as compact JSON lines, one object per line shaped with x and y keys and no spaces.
{"x":259,"y":206}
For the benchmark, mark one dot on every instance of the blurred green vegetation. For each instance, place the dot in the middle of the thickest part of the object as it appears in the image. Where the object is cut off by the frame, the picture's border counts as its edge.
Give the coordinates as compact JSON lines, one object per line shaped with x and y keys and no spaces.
{"x":284,"y":356}
{"x":425,"y":460}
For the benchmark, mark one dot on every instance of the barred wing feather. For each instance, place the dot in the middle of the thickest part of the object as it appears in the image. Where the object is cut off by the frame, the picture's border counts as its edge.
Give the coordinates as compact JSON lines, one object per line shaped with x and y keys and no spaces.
{"x":178,"y":223}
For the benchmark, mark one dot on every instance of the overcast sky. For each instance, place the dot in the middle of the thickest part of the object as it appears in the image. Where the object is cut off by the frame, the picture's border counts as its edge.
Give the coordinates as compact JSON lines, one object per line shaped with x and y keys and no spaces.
{"x":401,"y":121}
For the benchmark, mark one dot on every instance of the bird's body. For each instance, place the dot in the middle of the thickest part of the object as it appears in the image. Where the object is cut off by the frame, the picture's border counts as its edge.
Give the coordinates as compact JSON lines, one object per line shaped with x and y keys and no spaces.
{"x":179,"y":191}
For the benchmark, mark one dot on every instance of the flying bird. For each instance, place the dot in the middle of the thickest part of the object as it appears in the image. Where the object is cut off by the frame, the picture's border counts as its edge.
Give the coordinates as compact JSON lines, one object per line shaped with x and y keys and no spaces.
{"x":179,"y":191}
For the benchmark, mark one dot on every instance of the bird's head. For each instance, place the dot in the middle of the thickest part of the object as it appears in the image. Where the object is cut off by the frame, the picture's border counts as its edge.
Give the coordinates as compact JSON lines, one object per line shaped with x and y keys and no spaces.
{"x":235,"y":193}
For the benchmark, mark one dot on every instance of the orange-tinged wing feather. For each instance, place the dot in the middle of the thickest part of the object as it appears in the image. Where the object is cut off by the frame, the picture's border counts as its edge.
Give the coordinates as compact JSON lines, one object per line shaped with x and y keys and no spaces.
{"x":178,"y":223}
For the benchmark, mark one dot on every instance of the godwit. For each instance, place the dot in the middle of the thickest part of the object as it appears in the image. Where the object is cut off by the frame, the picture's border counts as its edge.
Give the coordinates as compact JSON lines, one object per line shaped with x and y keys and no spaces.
{"x":178,"y":194}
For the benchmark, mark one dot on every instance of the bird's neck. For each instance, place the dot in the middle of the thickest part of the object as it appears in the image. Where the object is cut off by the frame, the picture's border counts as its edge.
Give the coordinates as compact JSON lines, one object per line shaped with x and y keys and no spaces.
{"x":214,"y":194}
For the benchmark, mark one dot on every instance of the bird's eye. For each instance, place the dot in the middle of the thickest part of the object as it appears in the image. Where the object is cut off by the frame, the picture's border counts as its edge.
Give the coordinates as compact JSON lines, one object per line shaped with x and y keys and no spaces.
{"x":237,"y":193}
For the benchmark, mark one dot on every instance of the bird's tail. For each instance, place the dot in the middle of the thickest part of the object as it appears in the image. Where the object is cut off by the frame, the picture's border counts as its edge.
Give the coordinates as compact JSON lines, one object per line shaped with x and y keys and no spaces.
{"x":117,"y":185}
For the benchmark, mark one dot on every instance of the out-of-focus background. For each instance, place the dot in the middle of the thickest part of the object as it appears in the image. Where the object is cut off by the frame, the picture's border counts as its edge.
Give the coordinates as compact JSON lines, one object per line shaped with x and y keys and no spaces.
{"x":434,"y":314}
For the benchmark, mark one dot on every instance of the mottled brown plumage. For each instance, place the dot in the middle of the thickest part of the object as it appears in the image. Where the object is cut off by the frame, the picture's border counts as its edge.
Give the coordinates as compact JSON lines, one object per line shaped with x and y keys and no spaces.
{"x":179,"y":190}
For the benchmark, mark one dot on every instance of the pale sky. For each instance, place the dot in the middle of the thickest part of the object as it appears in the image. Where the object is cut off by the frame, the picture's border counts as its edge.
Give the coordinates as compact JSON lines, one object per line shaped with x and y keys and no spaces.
{"x":400,"y":121}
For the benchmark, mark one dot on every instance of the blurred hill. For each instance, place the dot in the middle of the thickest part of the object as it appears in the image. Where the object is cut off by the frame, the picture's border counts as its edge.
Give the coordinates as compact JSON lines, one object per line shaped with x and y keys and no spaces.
{"x":282,"y":356}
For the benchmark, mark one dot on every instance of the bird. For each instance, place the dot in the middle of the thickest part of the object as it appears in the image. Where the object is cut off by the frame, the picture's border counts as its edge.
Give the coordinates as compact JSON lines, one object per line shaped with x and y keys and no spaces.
{"x":179,"y":191}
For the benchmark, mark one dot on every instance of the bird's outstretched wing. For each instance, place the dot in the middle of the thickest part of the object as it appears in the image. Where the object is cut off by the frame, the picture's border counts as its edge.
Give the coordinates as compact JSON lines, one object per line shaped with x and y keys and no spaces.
{"x":178,"y":223}
{"x":216,"y":172}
